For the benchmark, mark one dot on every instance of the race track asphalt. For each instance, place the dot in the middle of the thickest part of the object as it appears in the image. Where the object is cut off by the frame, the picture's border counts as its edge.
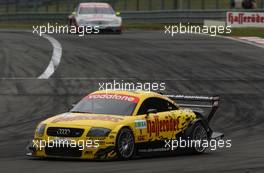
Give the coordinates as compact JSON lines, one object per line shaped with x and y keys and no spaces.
{"x":188,"y":64}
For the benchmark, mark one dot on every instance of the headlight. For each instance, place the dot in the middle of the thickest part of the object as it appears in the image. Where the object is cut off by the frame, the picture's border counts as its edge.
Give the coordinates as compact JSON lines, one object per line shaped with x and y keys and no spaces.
{"x":98,"y":132}
{"x":81,"y":22}
{"x":115,"y":22}
{"x":40,"y":130}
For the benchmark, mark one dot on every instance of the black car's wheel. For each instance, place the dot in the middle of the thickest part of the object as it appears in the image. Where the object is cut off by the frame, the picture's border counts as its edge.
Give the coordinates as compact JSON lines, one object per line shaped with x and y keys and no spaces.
{"x":125,"y":144}
{"x":199,"y":136}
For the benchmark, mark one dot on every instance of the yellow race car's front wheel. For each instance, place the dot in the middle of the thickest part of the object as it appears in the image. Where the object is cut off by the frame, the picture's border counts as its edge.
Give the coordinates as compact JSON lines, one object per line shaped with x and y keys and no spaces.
{"x":125,"y":144}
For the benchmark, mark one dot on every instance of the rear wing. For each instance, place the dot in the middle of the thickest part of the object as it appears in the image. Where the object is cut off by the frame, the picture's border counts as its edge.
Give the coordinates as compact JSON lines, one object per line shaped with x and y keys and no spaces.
{"x":203,"y":102}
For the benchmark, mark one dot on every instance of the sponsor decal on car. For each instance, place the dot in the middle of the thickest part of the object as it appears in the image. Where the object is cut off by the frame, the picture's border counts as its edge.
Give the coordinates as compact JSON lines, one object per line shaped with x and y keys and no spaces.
{"x":153,"y":150}
{"x":121,"y":97}
{"x":167,"y":125}
{"x":96,"y":138}
{"x":141,"y":137}
{"x":140,"y":124}
{"x":76,"y":118}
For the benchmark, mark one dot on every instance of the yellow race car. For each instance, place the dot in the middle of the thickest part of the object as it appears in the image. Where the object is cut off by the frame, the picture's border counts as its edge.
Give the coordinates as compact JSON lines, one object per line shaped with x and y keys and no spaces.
{"x":121,"y":124}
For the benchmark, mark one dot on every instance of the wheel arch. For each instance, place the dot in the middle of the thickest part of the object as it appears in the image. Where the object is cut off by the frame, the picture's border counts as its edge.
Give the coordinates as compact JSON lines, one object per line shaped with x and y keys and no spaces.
{"x":120,"y":127}
{"x":193,"y":123}
{"x":125,"y":126}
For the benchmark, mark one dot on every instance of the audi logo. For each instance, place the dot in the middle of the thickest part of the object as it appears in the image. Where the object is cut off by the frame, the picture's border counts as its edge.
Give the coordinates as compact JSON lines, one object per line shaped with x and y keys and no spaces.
{"x":63,"y":132}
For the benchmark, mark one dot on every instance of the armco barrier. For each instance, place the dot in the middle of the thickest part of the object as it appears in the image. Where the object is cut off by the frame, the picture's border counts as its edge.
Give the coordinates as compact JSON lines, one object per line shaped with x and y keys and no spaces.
{"x":173,"y":16}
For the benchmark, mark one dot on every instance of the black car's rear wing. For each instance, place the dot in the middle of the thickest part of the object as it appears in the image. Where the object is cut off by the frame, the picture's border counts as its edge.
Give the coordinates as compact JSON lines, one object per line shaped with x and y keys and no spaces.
{"x":212,"y":102}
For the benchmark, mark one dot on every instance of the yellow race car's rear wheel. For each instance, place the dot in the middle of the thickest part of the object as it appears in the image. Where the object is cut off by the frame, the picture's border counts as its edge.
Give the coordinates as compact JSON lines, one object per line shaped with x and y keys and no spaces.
{"x":199,"y":134}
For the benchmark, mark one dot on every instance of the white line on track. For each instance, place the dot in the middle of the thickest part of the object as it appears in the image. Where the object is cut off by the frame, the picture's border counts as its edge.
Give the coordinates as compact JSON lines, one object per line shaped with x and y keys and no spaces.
{"x":55,"y":59}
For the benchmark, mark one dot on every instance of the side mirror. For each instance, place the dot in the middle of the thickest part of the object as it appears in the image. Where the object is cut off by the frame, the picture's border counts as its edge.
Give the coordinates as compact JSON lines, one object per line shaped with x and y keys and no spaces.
{"x":118,"y":13}
{"x":72,"y":106}
{"x":151,"y":111}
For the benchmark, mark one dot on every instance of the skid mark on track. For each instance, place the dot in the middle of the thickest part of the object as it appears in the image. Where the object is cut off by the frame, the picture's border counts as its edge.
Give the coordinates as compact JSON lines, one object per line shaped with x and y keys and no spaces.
{"x":55,"y":59}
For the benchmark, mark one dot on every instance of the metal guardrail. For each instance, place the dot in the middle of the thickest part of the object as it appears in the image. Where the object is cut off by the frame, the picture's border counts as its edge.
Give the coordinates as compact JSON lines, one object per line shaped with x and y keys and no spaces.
{"x":33,"y":17}
{"x":173,"y":16}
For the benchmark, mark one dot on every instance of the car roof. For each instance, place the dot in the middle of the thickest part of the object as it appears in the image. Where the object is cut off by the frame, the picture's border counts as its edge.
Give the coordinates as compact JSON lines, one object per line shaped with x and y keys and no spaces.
{"x":94,"y":4}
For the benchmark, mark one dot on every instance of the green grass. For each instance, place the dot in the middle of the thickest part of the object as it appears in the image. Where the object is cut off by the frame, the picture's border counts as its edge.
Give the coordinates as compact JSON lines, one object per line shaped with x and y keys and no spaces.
{"x":15,"y":26}
{"x":248,"y":32}
{"x":147,"y":26}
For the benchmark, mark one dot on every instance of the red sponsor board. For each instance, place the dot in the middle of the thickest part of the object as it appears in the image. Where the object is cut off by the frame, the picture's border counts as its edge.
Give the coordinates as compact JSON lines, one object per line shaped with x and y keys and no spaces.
{"x":121,"y":97}
{"x":245,"y":19}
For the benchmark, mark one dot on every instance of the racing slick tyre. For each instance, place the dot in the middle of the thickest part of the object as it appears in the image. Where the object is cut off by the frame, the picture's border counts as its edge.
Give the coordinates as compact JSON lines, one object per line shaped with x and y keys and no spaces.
{"x":200,"y":136}
{"x":125,"y":144}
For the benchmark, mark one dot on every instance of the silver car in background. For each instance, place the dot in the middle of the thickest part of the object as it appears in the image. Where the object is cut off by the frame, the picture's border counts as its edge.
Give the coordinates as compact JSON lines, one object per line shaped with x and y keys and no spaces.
{"x":100,"y":15}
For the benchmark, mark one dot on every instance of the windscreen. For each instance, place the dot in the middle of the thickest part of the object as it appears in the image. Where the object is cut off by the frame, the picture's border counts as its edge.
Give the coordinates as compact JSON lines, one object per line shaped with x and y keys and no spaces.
{"x":96,"y":10}
{"x":113,"y":104}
